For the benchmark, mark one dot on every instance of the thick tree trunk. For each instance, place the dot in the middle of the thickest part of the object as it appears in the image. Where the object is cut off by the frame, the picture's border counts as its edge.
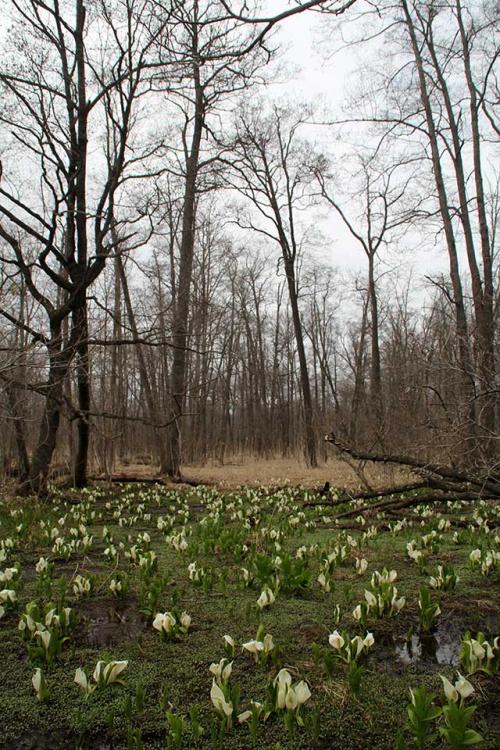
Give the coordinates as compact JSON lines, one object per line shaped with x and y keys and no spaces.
{"x":182,"y":296}
{"x":83,"y":390}
{"x":310,"y":438}
{"x":80,"y":321}
{"x":40,"y":464}
{"x":19,"y":421}
{"x":468,"y":443}
{"x":485,"y":320}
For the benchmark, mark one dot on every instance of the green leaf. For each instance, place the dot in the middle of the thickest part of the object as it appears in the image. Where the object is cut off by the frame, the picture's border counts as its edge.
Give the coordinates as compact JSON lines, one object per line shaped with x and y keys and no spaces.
{"x":472,"y":737}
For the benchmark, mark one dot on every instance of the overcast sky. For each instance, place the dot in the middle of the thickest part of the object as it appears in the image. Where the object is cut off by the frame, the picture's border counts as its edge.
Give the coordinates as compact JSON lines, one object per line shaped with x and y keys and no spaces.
{"x":308,"y":74}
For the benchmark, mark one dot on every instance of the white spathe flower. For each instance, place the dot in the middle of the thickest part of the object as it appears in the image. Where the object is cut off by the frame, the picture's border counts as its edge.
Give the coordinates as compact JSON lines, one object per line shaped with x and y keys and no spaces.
{"x":461,"y":689}
{"x":324,"y":582}
{"x":371,"y":599}
{"x":449,"y":690}
{"x":82,"y":680}
{"x":357,"y":612}
{"x":477,"y":649}
{"x":335,"y":640}
{"x":369,"y":640}
{"x":185,"y":621}
{"x":291,"y":701}
{"x":219,"y":700}
{"x":463,"y":686}
{"x":244,"y":716}
{"x":283,"y":679}
{"x":113,"y":670}
{"x":268,"y":643}
{"x":8,"y":595}
{"x":222,"y":670}
{"x":266,"y":598}
{"x":115,"y":586}
{"x":8,"y":574}
{"x":107,"y":673}
{"x":254,"y":647}
{"x":397,"y":604}
{"x":302,"y":692}
{"x":45,"y":637}
{"x":41,"y":565}
{"x":361,"y":565}
{"x":359,"y":644}
{"x":39,"y":685}
{"x":164,"y":622}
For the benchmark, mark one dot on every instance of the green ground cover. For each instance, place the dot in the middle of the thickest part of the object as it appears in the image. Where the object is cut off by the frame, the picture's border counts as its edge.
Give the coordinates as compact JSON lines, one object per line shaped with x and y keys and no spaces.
{"x":212,"y":556}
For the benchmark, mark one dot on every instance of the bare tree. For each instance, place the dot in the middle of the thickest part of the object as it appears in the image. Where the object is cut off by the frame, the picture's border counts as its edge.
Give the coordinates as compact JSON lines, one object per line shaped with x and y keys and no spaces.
{"x":383,"y":189}
{"x":272,"y":171}
{"x":55,"y":91}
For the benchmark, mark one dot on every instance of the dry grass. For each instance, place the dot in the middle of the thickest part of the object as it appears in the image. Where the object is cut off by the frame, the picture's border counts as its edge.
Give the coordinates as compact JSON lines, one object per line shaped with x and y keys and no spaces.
{"x":280,"y":471}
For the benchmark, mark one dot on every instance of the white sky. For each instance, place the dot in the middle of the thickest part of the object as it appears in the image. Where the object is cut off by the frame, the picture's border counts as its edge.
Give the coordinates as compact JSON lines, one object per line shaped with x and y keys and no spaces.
{"x":308,"y":75}
{"x":326,"y":79}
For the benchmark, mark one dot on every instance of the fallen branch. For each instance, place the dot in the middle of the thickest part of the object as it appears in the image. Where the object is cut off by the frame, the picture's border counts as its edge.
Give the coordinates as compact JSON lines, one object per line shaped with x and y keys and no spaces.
{"x":485,"y":486}
{"x":408,"y":502}
{"x":124,"y":479}
{"x":346,"y":497}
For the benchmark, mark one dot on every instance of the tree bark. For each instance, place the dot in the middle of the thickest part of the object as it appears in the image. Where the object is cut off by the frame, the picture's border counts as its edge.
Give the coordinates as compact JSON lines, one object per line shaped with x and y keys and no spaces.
{"x":183,"y":290}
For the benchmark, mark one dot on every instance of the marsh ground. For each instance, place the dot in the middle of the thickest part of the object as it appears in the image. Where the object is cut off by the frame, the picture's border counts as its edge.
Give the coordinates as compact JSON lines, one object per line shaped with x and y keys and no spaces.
{"x":227,"y":530}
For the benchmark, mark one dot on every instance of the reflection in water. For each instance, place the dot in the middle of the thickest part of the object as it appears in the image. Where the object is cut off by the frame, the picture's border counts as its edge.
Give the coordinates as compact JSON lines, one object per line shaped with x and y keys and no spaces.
{"x":443,"y":646}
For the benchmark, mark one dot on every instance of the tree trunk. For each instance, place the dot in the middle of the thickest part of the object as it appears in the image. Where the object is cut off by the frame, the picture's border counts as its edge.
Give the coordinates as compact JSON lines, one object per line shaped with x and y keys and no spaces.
{"x":42,"y":457}
{"x":83,"y":389}
{"x":375,"y":368}
{"x":182,"y":297}
{"x":468,"y":446}
{"x":310,"y":438}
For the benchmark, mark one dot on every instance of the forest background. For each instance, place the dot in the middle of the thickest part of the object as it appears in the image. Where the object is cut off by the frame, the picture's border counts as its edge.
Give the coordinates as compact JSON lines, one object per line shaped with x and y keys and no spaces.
{"x":226,"y":231}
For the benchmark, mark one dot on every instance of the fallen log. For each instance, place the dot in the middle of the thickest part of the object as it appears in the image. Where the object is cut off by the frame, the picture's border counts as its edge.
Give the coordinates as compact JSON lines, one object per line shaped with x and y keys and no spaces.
{"x":485,"y":486}
{"x":408,"y":502}
{"x":134,"y":479}
{"x":347,"y":497}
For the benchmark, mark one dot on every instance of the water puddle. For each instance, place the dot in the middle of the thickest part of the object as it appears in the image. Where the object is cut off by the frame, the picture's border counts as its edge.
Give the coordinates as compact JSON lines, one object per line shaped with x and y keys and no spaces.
{"x":442,"y":646}
{"x":108,"y":627}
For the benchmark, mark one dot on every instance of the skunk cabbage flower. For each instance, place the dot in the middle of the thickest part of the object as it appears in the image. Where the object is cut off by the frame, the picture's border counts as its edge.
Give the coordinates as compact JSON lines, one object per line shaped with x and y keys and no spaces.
{"x":219,"y":701}
{"x":283,"y":679}
{"x":83,"y":682}
{"x":253,"y":647}
{"x":39,"y":685}
{"x":361,"y":565}
{"x":461,"y":689}
{"x":222,"y":670}
{"x":185,"y":621}
{"x":165,"y":623}
{"x":107,"y":673}
{"x":335,"y":640}
{"x":266,"y":598}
